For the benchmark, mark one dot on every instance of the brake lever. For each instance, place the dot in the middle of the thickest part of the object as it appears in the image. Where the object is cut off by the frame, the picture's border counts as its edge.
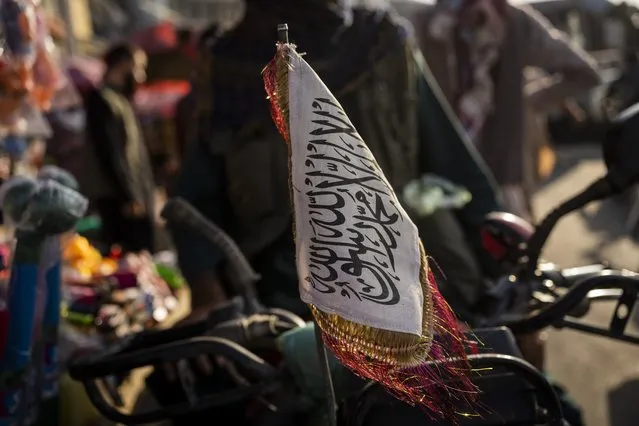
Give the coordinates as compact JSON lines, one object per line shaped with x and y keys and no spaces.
{"x":150,"y":338}
{"x":240,"y":330}
{"x":207,"y":326}
{"x":96,"y":366}
{"x":249,"y":332}
{"x":555,"y":315}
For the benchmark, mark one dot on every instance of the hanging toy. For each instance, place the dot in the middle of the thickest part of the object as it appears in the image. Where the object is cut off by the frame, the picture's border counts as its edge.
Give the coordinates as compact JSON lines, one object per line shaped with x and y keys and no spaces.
{"x":18,"y":21}
{"x":16,"y":63}
{"x":41,"y":209}
{"x":46,"y":73}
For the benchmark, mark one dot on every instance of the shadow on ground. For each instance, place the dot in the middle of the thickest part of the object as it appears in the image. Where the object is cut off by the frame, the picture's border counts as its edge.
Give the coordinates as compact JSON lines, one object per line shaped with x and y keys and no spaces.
{"x":567,"y":159}
{"x":623,"y":404}
{"x":608,"y":220}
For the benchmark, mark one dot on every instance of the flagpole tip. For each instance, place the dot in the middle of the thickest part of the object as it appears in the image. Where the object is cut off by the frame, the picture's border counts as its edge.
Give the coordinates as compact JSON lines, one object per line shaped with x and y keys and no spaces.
{"x":282,"y":33}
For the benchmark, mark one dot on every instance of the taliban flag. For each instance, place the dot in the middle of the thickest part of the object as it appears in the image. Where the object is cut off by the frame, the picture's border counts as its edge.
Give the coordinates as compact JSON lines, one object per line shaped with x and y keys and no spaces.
{"x":361,"y":265}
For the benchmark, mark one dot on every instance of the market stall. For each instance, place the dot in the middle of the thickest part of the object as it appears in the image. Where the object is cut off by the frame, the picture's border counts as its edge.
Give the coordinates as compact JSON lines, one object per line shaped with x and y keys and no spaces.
{"x":87,"y":302}
{"x":105,"y":299}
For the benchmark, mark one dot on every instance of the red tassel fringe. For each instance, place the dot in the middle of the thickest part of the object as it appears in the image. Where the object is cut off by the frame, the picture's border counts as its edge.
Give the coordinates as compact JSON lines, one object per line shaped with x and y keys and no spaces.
{"x":270,"y":84}
{"x":442,"y":386}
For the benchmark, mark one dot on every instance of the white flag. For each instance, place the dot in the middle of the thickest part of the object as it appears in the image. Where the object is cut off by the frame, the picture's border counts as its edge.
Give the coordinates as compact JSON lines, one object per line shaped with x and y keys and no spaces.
{"x":357,"y":250}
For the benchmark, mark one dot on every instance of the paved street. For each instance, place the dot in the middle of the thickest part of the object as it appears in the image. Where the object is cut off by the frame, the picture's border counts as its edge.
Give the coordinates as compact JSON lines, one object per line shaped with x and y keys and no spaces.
{"x":603,"y":376}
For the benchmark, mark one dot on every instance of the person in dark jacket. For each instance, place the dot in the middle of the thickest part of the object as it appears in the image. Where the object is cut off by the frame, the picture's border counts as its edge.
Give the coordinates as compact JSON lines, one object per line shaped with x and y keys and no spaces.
{"x":235,"y":170}
{"x":125,"y":199}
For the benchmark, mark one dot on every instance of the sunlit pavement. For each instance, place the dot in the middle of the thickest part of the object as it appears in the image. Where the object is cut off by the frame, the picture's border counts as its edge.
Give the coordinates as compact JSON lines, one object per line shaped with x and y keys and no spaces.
{"x":601,"y":375}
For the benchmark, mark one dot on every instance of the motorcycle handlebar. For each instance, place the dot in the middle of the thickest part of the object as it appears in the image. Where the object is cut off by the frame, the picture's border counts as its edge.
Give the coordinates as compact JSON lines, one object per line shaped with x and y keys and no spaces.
{"x":227,"y":339}
{"x":218,"y":399}
{"x":91,"y":369}
{"x":172,"y":411}
{"x":555,"y":313}
{"x":97,"y":366}
{"x":179,"y":212}
{"x":240,"y":331}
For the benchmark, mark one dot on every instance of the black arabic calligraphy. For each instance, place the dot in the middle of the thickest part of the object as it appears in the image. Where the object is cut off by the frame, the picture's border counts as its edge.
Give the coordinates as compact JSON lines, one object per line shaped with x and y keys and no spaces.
{"x":354,"y":255}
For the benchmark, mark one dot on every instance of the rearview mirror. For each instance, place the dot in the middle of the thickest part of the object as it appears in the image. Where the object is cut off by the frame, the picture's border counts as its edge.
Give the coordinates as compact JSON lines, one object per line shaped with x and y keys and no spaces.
{"x":621,"y":149}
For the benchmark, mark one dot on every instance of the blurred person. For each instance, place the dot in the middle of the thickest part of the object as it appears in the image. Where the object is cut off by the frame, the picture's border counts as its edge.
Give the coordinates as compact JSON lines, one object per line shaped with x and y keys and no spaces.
{"x":478,"y":50}
{"x":624,"y":91}
{"x":185,"y":108}
{"x":125,"y":199}
{"x":236,"y":168}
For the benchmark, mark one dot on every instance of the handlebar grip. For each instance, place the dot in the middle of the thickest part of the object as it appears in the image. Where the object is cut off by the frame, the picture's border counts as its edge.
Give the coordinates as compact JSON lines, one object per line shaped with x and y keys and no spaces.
{"x":247,"y":332}
{"x":179,"y":211}
{"x":151,"y":338}
{"x":93,"y":367}
{"x":275,"y":320}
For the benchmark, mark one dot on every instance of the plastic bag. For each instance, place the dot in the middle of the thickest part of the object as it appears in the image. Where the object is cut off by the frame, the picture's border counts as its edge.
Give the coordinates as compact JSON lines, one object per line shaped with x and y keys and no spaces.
{"x":47,"y":205}
{"x":431,"y":193}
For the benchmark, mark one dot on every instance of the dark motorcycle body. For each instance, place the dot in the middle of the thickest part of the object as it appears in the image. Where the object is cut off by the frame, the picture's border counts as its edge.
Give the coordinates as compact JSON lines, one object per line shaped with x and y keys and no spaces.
{"x":512,"y":392}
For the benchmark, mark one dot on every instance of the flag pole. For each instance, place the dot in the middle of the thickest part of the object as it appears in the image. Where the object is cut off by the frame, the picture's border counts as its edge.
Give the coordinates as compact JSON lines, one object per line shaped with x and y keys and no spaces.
{"x":282,"y":33}
{"x":331,"y":403}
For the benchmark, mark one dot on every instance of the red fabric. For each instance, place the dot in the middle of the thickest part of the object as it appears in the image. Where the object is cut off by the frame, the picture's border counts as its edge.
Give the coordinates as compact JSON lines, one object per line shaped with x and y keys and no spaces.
{"x":270,"y":85}
{"x":161,"y":98}
{"x":160,"y":37}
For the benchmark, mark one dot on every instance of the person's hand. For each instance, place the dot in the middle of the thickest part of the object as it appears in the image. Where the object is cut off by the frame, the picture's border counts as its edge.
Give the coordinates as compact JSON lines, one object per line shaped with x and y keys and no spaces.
{"x":134,"y":209}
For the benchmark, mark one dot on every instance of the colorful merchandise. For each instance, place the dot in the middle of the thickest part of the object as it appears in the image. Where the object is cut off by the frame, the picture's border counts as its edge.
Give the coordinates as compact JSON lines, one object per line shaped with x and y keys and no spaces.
{"x":118,"y":293}
{"x":31,"y":82}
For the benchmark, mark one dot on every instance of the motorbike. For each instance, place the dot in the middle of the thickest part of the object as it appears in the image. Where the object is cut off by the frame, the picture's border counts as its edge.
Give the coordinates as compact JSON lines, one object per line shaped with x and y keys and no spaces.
{"x":254,"y":383}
